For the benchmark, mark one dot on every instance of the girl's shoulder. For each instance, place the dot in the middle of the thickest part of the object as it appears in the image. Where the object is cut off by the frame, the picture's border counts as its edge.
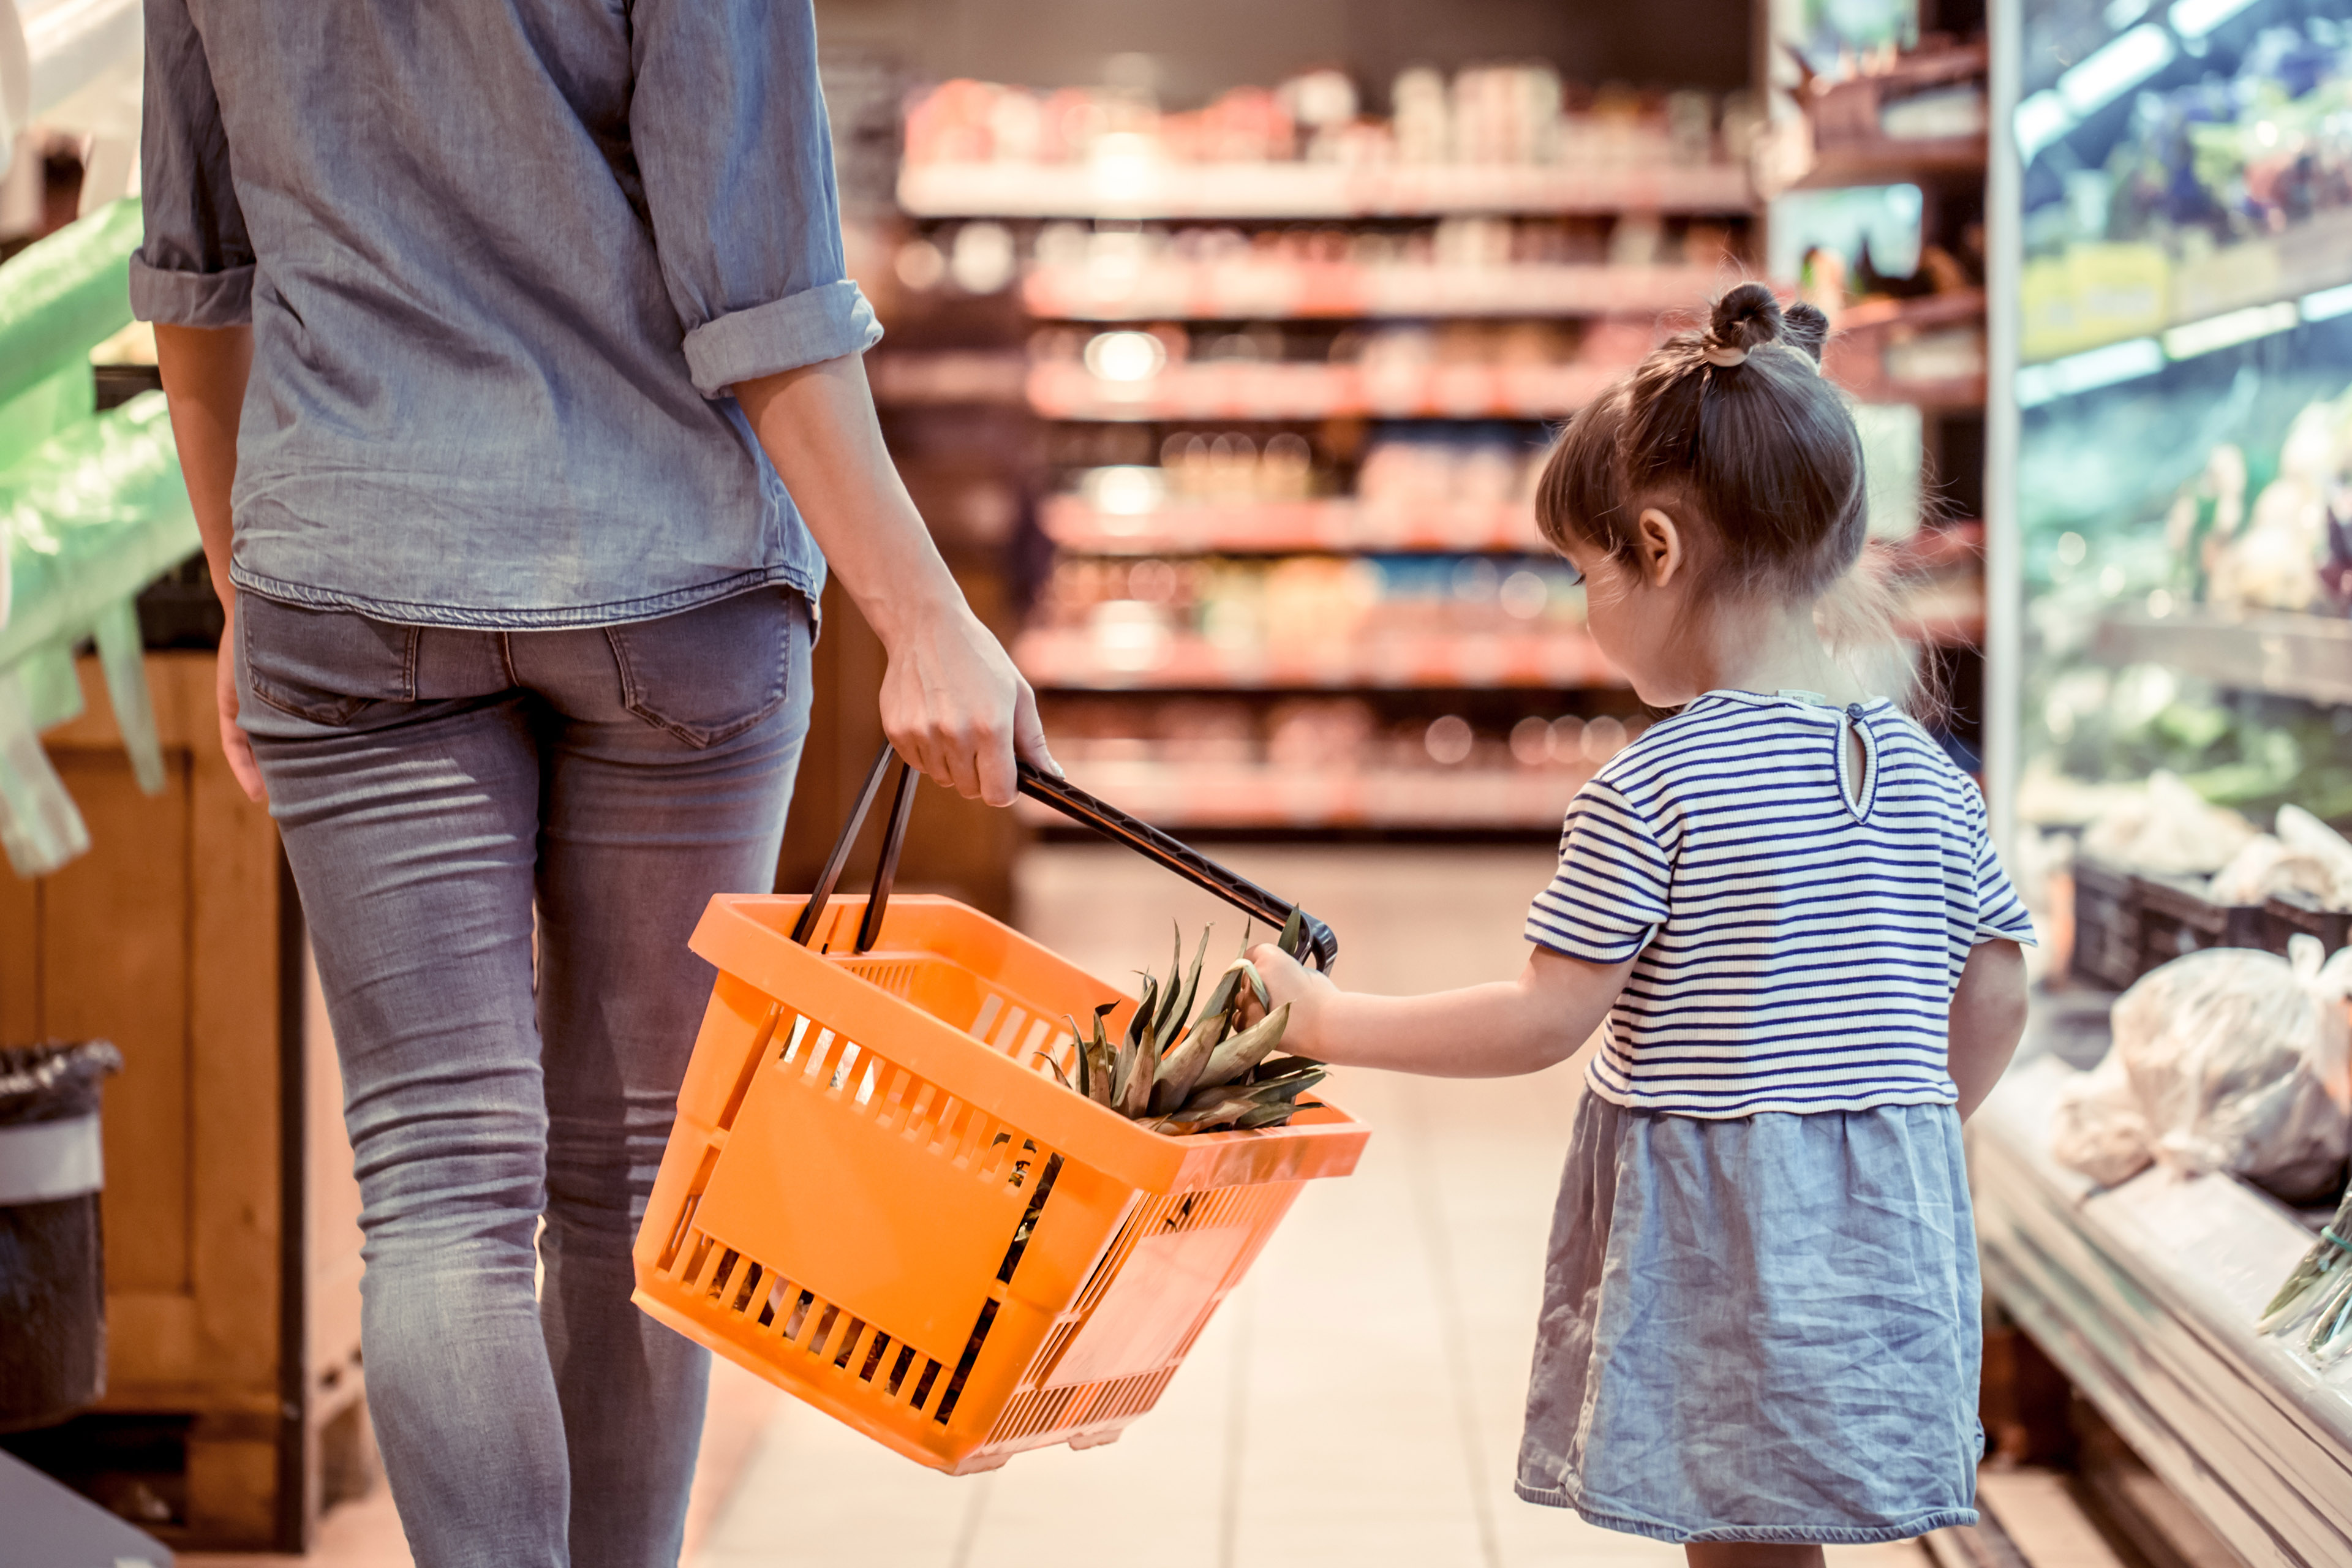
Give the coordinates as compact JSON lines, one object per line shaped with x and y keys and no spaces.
{"x":1718,"y":731}
{"x":1741,"y":749}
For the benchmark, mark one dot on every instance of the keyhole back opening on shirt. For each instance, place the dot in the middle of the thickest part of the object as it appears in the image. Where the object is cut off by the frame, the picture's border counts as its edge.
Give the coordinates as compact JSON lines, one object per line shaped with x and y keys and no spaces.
{"x":1857,"y":760}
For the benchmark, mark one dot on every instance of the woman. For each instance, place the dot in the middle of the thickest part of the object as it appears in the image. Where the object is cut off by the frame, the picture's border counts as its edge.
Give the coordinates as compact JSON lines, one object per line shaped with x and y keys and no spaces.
{"x":517,"y":385}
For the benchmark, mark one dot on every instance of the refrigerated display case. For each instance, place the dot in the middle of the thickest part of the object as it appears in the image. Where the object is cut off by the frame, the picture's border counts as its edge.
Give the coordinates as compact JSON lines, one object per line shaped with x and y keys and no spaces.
{"x":2169,"y":490}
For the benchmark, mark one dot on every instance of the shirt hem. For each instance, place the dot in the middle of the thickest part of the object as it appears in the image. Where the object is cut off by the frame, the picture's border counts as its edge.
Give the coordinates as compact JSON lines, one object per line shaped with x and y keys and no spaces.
{"x":613,"y":613}
{"x":1663,"y":1105}
{"x":1789,"y":1534}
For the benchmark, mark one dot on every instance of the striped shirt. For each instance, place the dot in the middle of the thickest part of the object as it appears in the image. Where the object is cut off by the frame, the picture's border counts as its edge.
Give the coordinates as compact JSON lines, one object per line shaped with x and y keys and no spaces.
{"x":1795,"y":944}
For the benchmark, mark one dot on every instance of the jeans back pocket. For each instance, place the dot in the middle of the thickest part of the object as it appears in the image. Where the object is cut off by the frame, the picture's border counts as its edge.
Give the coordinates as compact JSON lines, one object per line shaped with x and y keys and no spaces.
{"x":708,"y":674}
{"x":323,"y":665}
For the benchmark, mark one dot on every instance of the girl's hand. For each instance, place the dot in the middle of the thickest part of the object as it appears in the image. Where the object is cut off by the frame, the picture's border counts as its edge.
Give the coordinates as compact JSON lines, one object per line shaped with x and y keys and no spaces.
{"x":1307,"y":992}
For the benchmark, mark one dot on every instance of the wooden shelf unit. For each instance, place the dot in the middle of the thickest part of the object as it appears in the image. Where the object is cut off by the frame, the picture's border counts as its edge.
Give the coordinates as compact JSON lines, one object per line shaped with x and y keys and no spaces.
{"x":230,"y":1210}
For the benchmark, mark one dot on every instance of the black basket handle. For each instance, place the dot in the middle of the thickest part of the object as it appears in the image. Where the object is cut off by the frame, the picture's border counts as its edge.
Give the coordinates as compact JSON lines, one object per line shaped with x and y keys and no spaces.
{"x":1180,"y":857}
{"x":1071,"y":802}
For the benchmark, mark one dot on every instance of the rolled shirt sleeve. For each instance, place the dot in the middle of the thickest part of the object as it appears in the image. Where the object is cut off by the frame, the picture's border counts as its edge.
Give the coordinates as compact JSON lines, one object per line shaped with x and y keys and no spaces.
{"x":194,"y":268}
{"x":729,"y":127}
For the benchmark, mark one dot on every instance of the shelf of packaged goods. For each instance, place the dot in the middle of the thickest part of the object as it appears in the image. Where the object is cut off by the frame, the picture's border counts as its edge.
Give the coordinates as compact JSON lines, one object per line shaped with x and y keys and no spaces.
{"x":1060,"y":389}
{"x":2308,"y":657}
{"x":1333,"y":525}
{"x":2146,"y":1295}
{"x":1196,"y":796}
{"x":1889,"y":161}
{"x":1251,"y":289}
{"x":1930,"y":351}
{"x":2093,"y":295}
{"x":1075,"y":659}
{"x":1141,"y":189}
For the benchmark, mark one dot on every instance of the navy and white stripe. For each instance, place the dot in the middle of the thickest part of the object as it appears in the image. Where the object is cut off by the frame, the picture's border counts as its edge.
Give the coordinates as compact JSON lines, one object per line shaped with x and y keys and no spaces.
{"x":1795,"y":947}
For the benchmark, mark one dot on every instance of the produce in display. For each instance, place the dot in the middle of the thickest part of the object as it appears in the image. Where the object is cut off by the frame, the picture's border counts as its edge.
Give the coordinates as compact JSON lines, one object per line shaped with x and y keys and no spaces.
{"x":2283,"y":552}
{"x":2303,"y":856}
{"x":2227,"y":1060}
{"x":2320,"y":1288}
{"x":1177,"y":1073}
{"x":2168,"y":828}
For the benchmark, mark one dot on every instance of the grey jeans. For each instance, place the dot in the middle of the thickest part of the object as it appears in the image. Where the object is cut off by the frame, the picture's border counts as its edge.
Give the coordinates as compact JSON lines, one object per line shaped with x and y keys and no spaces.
{"x":435,"y":788}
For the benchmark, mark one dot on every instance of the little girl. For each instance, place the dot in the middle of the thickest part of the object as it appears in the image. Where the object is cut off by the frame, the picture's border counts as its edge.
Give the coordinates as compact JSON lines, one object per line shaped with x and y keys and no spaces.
{"x":1760,"y":1326}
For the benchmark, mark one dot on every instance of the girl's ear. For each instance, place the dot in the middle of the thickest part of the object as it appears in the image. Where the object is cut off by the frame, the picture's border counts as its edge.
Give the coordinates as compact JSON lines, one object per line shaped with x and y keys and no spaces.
{"x":1657,"y":547}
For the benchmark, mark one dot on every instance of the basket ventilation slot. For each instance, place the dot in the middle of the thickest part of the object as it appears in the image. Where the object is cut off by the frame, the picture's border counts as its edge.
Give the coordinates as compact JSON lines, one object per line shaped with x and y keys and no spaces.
{"x":1077,"y":1405}
{"x":764,"y":1300}
{"x":1246,"y":1206}
{"x":913,"y":1106}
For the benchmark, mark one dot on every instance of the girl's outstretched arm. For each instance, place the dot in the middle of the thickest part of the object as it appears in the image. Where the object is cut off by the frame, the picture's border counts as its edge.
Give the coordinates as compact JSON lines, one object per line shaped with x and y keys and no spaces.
{"x":1497,"y":1030}
{"x":1988,"y":1019}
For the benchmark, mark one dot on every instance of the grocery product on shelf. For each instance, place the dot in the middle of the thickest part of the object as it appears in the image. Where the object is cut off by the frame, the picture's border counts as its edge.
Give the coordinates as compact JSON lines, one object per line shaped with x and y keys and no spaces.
{"x":2231,"y":186}
{"x":1463,"y":369}
{"x":1459,"y":266}
{"x":1311,"y":620}
{"x":2226,"y":1061}
{"x":2317,"y":1297}
{"x":1523,"y":137}
{"x":2304,"y":856}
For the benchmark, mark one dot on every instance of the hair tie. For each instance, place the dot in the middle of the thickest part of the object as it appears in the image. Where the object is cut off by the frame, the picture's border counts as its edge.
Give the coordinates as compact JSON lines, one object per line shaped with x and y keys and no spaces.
{"x":1719,"y":353}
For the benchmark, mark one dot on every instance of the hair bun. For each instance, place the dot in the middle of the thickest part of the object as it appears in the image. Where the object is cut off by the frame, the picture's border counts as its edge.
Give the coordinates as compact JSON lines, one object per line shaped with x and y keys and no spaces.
{"x":1747,"y":316}
{"x":1804,"y":327}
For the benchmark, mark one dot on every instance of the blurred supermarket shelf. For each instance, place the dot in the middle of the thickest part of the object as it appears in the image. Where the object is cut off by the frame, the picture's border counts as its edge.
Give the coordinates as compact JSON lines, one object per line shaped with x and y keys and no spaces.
{"x":1930,"y":351}
{"x":1144,"y":656}
{"x":2088,"y":296}
{"x":944,"y":377}
{"x":1257,"y":390}
{"x":1142,"y":188}
{"x":1335,"y":523}
{"x":2286,"y":654}
{"x":1195,"y":796}
{"x":1890,"y":160}
{"x":1251,"y":288}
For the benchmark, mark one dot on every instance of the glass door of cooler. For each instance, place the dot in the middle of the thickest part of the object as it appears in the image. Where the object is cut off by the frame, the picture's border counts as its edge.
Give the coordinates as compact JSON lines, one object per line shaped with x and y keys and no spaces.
{"x":2173,"y":416}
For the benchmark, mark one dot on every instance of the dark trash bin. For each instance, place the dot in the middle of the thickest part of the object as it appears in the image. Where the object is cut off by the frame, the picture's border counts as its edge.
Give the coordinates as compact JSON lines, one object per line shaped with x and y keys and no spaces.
{"x":52,"y":1269}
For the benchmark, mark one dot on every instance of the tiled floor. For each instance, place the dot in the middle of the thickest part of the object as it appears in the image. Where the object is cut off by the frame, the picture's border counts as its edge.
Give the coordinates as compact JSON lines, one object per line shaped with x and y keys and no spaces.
{"x":1357,"y":1403}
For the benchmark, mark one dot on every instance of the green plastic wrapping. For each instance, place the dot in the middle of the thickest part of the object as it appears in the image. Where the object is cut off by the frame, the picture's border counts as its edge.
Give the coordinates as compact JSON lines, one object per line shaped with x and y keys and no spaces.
{"x":86,"y":520}
{"x":93,"y":516}
{"x":63,"y":296}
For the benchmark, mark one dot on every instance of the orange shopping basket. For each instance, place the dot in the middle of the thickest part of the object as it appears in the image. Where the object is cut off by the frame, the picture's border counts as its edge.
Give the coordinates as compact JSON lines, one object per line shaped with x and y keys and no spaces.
{"x":875,"y":1199}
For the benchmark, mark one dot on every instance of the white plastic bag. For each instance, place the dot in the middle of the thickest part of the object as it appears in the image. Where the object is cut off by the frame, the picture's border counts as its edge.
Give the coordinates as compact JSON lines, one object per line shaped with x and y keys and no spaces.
{"x":2229,"y":1060}
{"x":2306,"y":857}
{"x":2168,"y":830}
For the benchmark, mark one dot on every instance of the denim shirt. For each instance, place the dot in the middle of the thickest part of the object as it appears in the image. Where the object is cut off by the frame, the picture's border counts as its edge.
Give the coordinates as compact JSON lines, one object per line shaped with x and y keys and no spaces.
{"x":503,"y":261}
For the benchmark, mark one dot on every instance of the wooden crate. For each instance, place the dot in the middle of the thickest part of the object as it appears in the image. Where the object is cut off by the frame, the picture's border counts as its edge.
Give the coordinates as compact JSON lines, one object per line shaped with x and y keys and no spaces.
{"x":232,"y":1410}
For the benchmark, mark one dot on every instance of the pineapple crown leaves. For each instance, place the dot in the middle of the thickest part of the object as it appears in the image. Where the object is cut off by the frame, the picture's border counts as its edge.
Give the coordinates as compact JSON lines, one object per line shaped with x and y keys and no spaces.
{"x":1176,"y":1071}
{"x":1294,"y":932}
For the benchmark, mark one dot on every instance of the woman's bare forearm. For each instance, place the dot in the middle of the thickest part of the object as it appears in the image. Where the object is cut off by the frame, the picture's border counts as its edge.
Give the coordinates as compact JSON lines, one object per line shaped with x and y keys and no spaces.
{"x":817,"y":425}
{"x":951,"y":702}
{"x":205,"y":370}
{"x":1988,"y":1019}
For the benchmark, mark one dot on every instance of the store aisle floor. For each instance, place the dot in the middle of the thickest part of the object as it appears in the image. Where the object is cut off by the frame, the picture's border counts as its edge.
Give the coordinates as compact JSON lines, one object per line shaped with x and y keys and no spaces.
{"x":1357,"y":1402}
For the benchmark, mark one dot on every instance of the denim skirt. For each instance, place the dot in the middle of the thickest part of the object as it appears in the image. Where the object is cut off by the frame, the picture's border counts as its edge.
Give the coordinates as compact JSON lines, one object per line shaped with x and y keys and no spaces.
{"x":1760,"y":1329}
